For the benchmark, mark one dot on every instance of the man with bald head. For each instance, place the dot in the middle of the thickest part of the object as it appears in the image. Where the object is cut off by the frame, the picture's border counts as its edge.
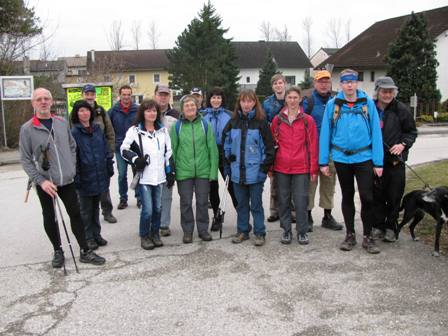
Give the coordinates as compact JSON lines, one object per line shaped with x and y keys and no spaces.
{"x":48,"y":156}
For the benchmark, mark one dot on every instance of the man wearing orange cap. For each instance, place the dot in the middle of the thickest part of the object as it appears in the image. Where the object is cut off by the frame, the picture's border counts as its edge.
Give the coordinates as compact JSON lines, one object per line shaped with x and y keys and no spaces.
{"x":315,"y":106}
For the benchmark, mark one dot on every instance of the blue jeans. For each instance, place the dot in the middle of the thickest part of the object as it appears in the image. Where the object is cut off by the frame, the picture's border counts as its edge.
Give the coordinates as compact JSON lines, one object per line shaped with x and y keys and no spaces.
{"x":122,"y":165}
{"x":249,"y":197}
{"x":167,"y":199}
{"x":90,"y":214}
{"x":150,"y":213}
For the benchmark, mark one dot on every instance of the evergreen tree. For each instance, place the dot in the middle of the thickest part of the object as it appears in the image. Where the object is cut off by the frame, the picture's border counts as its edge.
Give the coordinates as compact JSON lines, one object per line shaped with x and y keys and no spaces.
{"x":307,"y":82}
{"x":412,"y":61}
{"x":269,"y":69}
{"x":203,"y":58}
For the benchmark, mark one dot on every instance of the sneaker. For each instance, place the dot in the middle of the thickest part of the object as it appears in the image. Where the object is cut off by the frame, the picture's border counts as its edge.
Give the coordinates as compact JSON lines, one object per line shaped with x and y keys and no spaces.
{"x":188,"y":238}
{"x":146,"y":243}
{"x":205,"y":236}
{"x":122,"y":205}
{"x":348,"y":243}
{"x":303,"y":239}
{"x":100,"y":241}
{"x":273,"y":218}
{"x":328,"y":222}
{"x":156,"y":239}
{"x":240,"y":237}
{"x":369,"y":244}
{"x":377,"y":234}
{"x":259,"y":240}
{"x":389,"y":236}
{"x":139,"y":204}
{"x":286,"y":237}
{"x":91,"y":244}
{"x":58,"y":259}
{"x":110,"y":218}
{"x":165,"y":232}
{"x":90,"y":257}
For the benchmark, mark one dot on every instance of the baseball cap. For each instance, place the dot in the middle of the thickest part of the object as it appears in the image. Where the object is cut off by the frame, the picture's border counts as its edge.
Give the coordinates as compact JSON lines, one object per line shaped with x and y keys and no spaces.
{"x":88,"y":88}
{"x":196,"y":90}
{"x":161,"y":88}
{"x":321,"y":74}
{"x":385,"y":83}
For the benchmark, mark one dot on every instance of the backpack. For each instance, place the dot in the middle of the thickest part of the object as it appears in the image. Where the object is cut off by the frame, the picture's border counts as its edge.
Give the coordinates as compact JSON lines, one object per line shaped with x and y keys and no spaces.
{"x":203,"y":123}
{"x":338,"y":102}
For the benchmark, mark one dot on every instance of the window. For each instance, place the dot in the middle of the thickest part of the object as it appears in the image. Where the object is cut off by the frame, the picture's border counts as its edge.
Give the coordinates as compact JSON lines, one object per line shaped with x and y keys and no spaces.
{"x":372,"y":76}
{"x":360,"y":76}
{"x":131,"y":79}
{"x":291,"y":80}
{"x":107,"y":78}
{"x":138,"y":99}
{"x":156,"y":78}
{"x":248,"y":79}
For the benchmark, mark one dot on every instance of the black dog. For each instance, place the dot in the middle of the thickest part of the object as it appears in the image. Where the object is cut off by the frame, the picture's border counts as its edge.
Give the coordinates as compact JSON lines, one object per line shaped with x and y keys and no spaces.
{"x":433,"y":202}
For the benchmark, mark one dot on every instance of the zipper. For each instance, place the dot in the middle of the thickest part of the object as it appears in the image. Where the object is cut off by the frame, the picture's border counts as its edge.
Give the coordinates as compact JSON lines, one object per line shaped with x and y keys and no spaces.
{"x":57,"y":158}
{"x":194,"y":148}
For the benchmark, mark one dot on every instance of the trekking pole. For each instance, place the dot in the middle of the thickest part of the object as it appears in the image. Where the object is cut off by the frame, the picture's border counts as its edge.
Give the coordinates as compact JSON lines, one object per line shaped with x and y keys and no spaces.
{"x":56,"y":200}
{"x":28,"y":188}
{"x":57,"y":225}
{"x":224,"y":201}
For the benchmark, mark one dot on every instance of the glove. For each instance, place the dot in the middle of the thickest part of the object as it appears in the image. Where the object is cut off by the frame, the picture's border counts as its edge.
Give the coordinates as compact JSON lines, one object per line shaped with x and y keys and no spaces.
{"x":141,"y":162}
{"x":170,"y":179}
{"x":232,"y":157}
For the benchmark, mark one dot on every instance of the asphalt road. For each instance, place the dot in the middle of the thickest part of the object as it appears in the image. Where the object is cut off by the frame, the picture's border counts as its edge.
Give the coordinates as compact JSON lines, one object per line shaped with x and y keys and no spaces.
{"x":217,"y":288}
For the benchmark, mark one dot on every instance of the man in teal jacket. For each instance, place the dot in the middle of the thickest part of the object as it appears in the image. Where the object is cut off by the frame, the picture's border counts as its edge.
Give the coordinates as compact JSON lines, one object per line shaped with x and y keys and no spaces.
{"x":351,"y":133}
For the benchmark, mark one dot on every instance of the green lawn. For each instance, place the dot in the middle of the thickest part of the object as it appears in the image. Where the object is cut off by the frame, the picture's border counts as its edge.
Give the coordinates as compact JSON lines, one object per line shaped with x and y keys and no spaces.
{"x":436,"y":174}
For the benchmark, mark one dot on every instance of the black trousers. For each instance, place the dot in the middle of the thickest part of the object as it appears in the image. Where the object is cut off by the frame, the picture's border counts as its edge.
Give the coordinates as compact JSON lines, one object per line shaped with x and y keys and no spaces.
{"x":363,"y":172}
{"x":387,"y":193}
{"x":69,"y":197}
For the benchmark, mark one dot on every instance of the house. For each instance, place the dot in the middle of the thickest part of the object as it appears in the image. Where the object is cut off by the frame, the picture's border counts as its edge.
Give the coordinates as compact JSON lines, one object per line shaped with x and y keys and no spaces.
{"x":289,"y":57}
{"x":321,"y":55}
{"x":76,"y":68}
{"x":141,"y":69}
{"x":367,"y":51}
{"x":52,"y":69}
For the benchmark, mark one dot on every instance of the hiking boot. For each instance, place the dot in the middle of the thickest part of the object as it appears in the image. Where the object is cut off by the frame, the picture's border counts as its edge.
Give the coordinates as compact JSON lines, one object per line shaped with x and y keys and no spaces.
{"x":139,"y":204}
{"x":369,"y":244}
{"x":146,"y":243}
{"x":165,"y":232}
{"x":205,"y":236}
{"x":188,"y":238}
{"x":90,"y":257}
{"x":330,"y":223}
{"x":91,"y":244}
{"x":286,"y":237}
{"x":100,"y":241}
{"x":349,"y":242}
{"x":303,"y":239}
{"x":110,"y":218}
{"x":240,"y":237}
{"x":122,"y":205}
{"x":273,"y":218}
{"x":377,"y":234}
{"x":259,"y":240}
{"x":156,"y":239}
{"x":389,"y":236}
{"x":215,"y":225}
{"x":58,"y":259}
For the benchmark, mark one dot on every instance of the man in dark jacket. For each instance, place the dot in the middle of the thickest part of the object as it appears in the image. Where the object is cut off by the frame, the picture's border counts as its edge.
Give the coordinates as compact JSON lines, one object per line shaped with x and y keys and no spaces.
{"x":399,"y":134}
{"x":315,"y":106}
{"x":122,"y":115}
{"x":102,"y":119}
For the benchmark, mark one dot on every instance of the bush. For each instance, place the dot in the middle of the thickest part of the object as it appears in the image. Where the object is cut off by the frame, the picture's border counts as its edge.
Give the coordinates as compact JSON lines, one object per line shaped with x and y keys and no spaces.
{"x":442,"y":117}
{"x":426,"y":118}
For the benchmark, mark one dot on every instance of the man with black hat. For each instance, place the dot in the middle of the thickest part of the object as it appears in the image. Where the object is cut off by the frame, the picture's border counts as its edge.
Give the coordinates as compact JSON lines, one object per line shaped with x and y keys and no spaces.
{"x":48,"y":156}
{"x":102,"y":119}
{"x":399,"y":134}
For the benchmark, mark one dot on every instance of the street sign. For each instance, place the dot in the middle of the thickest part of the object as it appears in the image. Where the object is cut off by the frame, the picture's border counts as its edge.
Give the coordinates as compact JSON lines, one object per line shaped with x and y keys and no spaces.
{"x":413,"y":101}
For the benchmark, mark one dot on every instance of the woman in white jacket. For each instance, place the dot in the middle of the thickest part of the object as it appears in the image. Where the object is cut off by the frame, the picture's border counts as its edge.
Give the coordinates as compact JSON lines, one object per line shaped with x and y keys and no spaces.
{"x":147,"y":146}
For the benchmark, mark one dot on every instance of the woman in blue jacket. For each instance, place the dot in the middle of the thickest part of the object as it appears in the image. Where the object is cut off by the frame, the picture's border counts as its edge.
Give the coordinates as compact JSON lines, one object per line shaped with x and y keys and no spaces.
{"x":249,"y":153}
{"x":218,"y":117}
{"x":94,"y":167}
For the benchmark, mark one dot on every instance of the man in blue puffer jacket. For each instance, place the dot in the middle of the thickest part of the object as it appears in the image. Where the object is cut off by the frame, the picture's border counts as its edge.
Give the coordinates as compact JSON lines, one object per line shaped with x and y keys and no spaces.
{"x":122,"y":115}
{"x":351,"y":132}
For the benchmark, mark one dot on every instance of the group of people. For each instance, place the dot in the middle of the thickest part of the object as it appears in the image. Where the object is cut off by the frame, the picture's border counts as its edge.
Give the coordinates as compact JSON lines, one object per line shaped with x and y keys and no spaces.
{"x":298,"y":140}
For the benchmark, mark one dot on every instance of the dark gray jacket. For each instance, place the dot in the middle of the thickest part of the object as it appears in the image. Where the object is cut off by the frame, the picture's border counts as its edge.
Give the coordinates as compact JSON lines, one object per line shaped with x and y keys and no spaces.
{"x":35,"y":138}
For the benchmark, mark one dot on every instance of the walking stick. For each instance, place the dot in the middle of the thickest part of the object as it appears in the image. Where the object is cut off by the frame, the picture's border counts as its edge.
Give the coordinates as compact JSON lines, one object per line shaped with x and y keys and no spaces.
{"x":219,"y":218}
{"x":56,"y":200}
{"x":28,"y":188}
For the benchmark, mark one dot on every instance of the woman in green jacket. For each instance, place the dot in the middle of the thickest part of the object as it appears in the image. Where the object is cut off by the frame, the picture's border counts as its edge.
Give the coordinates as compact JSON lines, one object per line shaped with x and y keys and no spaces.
{"x":196,"y":160}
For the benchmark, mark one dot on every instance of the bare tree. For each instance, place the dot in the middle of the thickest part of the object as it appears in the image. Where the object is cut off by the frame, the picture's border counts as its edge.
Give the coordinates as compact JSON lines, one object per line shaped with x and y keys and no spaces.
{"x":46,"y":53}
{"x":334,"y":32}
{"x":135,"y":33}
{"x":153,"y":35}
{"x":115,"y":36}
{"x":348,"y":25}
{"x":267,"y":31}
{"x":282,"y":35}
{"x":306,"y":25}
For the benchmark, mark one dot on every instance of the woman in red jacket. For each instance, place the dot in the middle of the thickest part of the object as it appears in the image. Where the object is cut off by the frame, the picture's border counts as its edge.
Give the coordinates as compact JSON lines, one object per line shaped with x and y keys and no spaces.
{"x":296,"y":162}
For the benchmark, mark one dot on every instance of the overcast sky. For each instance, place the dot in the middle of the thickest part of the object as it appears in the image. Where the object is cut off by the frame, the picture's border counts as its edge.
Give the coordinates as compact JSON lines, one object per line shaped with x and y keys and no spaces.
{"x":78,"y":26}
